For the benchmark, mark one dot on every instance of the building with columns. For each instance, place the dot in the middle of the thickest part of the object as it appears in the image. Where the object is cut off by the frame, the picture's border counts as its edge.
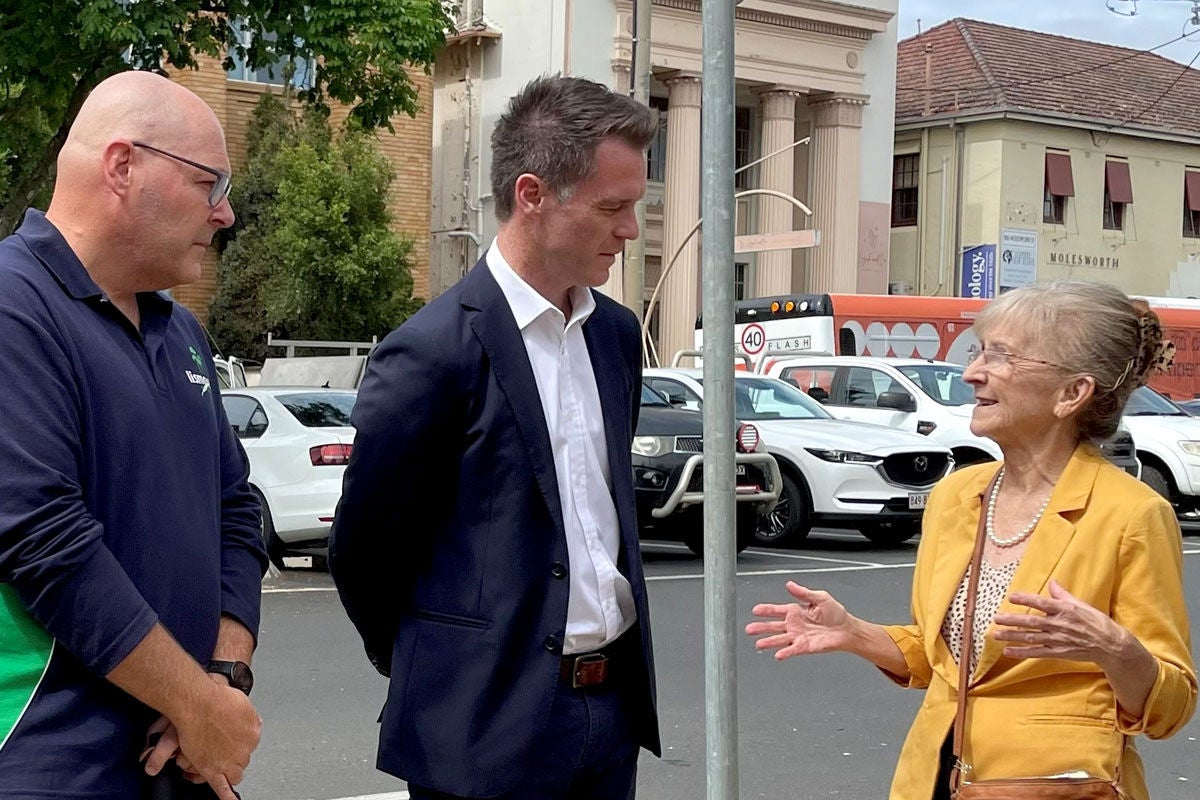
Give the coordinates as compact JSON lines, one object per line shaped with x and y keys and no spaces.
{"x":818,"y":72}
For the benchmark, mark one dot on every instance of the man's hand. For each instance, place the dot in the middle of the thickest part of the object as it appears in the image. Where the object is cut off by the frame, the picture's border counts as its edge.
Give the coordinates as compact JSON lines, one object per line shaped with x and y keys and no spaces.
{"x":216,"y":738}
{"x":166,"y":746}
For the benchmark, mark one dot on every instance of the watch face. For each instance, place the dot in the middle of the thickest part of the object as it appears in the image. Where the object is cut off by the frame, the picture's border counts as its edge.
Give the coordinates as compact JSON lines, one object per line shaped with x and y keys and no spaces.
{"x":240,"y":677}
{"x":237,"y":672}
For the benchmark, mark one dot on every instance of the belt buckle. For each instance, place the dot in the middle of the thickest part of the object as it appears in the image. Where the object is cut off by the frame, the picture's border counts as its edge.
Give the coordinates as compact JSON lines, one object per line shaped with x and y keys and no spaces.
{"x":584,"y":661}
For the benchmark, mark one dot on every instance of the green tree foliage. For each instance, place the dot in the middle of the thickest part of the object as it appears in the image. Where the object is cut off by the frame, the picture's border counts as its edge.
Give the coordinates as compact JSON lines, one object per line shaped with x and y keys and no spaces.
{"x":53,"y":54}
{"x":311,"y":256}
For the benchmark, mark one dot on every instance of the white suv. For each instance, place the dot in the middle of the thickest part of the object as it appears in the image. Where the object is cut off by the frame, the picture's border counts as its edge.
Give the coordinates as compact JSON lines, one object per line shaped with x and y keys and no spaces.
{"x":912,"y":394}
{"x":835,"y":473}
{"x":1168,"y":445}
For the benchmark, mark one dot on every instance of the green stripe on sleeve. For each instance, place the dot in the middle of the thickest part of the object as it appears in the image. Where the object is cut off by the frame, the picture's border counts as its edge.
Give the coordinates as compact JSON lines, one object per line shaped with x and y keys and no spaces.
{"x":25,"y":649}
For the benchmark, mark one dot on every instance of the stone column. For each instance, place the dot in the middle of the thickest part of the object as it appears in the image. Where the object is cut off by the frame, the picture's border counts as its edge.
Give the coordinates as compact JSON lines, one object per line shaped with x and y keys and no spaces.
{"x":681,"y":208}
{"x":836,"y":152}
{"x":614,"y":287}
{"x":774,"y":272}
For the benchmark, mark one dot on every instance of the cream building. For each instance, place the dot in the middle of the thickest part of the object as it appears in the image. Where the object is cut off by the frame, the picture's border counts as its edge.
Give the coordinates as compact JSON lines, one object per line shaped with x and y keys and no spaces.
{"x":1043,"y":157}
{"x":805,"y":69}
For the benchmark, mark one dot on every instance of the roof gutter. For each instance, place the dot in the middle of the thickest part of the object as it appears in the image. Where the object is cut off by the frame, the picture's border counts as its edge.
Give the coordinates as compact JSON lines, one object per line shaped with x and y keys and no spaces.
{"x":1046,"y":118}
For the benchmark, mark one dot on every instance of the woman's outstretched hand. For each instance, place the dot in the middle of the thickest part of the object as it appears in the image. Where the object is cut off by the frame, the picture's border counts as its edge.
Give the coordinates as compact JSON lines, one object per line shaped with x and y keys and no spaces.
{"x":815,"y":624}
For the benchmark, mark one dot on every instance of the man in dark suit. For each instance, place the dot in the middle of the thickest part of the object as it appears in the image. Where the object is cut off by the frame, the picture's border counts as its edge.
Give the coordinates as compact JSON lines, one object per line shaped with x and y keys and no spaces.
{"x":486,"y":543}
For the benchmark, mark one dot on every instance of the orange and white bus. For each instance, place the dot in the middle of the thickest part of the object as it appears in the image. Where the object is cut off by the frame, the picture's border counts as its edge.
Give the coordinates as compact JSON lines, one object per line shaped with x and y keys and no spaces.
{"x":908,"y":326}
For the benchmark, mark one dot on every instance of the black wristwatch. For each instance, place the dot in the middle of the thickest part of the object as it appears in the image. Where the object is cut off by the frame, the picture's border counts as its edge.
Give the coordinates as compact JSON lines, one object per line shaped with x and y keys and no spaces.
{"x":237,"y":672}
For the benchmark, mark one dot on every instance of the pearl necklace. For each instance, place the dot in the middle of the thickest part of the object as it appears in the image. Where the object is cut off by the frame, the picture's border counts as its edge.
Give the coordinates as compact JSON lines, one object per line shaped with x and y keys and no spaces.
{"x":990,"y":518}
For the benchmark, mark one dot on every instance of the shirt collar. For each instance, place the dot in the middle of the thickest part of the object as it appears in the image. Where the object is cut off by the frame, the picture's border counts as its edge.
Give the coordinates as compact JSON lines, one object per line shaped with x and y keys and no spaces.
{"x":46,"y":243}
{"x":49,"y":246}
{"x":526,"y":304}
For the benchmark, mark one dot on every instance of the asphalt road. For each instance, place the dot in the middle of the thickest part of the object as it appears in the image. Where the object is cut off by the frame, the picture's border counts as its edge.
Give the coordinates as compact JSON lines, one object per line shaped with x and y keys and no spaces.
{"x":820,"y":727}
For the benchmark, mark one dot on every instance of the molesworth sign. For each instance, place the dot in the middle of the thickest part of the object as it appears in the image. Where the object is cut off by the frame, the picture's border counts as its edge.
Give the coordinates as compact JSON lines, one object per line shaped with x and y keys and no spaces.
{"x":1083,"y":260}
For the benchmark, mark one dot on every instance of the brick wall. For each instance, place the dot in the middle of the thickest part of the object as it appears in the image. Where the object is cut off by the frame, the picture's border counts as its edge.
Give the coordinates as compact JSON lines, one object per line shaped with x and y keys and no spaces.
{"x":409,"y":150}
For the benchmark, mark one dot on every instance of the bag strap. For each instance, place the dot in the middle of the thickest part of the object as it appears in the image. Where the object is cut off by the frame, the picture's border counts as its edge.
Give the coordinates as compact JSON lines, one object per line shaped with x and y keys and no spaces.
{"x":968,"y":640}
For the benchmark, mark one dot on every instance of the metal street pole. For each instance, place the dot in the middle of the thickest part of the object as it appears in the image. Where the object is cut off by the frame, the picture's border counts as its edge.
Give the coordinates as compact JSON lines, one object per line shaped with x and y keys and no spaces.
{"x":635,"y":251}
{"x":720,"y":555}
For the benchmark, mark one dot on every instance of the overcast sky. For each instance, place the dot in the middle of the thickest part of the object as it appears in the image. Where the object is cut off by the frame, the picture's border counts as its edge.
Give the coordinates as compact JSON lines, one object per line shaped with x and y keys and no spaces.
{"x":1155,"y":22}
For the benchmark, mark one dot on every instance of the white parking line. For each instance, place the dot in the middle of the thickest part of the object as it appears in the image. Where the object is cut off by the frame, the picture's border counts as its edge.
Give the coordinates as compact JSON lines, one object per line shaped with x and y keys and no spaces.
{"x":777,"y":554}
{"x":384,"y":796}
{"x":851,"y":566}
{"x":793,"y":571}
{"x":302,"y":590}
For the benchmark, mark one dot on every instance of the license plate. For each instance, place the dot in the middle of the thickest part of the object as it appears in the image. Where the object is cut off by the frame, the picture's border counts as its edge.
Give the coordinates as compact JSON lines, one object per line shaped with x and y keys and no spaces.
{"x":741,"y":469}
{"x":918,"y":499}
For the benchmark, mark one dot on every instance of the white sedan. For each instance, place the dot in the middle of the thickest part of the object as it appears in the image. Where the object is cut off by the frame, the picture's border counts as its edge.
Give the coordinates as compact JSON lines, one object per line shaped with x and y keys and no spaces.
{"x":836,"y":473}
{"x":298,"y":440}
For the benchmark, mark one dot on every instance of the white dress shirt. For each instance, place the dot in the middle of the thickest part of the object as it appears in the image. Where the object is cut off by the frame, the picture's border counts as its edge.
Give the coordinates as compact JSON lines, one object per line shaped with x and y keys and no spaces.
{"x":600,"y":606}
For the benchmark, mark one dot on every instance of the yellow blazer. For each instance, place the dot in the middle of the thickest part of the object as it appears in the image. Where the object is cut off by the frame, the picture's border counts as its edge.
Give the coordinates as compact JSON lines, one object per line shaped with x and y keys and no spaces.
{"x":1112,"y":542}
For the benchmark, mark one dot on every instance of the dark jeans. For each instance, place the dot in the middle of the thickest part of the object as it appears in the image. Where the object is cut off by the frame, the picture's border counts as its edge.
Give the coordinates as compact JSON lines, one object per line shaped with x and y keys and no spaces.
{"x":587,"y":751}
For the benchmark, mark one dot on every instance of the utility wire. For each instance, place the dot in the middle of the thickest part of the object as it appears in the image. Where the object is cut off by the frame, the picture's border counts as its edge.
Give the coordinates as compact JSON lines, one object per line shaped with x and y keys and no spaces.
{"x":1044,"y":79}
{"x":1158,"y":99}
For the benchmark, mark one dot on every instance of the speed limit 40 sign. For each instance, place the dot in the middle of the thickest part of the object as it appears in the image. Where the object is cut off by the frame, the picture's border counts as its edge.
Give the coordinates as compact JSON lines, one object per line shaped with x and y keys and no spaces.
{"x":754,"y":339}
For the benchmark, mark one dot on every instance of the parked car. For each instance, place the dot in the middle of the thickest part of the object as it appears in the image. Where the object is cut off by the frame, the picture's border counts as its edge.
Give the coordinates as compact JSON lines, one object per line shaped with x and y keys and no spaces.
{"x":836,"y":473}
{"x":1168,"y":445}
{"x":1191,"y":406}
{"x":298,"y":440}
{"x":668,"y":477}
{"x":919,"y":395}
{"x":231,"y":372}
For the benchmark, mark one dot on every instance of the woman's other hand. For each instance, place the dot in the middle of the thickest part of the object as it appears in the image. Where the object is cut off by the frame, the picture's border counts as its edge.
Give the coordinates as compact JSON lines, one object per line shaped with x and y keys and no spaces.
{"x":1066,"y":628}
{"x":1069,"y":628}
{"x":815,"y":624}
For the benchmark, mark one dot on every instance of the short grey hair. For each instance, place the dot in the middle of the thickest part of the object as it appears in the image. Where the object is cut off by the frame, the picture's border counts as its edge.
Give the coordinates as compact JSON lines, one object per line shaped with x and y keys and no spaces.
{"x":1087,"y":329}
{"x":552,"y":128}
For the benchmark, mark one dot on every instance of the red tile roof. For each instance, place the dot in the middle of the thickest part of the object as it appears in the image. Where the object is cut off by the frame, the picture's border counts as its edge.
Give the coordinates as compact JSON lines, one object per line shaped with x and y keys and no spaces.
{"x":978,"y":66}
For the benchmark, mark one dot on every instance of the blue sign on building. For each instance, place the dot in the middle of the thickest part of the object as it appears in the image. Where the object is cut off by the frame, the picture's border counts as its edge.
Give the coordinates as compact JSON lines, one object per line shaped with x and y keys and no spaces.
{"x":979,"y":272}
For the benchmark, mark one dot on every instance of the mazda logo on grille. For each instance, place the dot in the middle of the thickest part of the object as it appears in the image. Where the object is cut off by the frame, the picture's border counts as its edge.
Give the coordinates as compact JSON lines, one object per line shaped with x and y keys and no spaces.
{"x":921,"y":463}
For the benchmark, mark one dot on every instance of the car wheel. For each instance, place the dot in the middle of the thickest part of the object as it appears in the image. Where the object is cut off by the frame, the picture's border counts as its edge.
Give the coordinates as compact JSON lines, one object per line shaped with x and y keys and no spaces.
{"x":891,"y":534}
{"x":271,"y":541}
{"x":1157,"y":480}
{"x":787,"y":523}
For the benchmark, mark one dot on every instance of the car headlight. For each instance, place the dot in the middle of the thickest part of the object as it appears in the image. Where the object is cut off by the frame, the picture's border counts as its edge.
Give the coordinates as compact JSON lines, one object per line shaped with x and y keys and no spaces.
{"x":844,"y":456}
{"x":653,"y":446}
{"x":1191,"y":448}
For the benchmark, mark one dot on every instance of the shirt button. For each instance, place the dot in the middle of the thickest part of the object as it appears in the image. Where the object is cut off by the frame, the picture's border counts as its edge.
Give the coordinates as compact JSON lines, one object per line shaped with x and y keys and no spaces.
{"x":559,"y":571}
{"x":551,"y":643}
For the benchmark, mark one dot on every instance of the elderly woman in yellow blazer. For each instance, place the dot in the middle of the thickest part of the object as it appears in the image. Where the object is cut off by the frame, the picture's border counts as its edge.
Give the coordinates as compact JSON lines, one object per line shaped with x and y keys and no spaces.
{"x":1081,"y":636}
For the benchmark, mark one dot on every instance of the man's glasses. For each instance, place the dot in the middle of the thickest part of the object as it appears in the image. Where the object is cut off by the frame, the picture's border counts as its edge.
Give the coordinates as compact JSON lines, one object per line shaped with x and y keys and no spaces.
{"x":1000,"y":358}
{"x":219,"y":190}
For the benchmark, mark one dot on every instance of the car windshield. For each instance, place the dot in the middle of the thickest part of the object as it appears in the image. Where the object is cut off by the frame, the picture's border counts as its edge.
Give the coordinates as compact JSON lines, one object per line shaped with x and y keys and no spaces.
{"x":320,"y":409}
{"x":770,"y":398}
{"x":941,"y":382}
{"x":1145,"y":402}
{"x":652,"y":398}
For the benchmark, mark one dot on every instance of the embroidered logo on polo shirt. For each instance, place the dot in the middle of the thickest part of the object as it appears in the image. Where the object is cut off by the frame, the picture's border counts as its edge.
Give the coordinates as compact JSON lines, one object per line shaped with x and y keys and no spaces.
{"x":200,"y":379}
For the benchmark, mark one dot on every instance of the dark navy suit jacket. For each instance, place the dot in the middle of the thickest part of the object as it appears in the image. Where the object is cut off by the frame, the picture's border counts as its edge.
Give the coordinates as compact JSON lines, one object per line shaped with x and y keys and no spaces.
{"x":449,"y":549}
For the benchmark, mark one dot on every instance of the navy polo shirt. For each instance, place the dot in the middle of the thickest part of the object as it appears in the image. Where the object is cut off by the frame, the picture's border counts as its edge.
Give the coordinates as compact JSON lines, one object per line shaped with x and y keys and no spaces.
{"x":123,"y":502}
